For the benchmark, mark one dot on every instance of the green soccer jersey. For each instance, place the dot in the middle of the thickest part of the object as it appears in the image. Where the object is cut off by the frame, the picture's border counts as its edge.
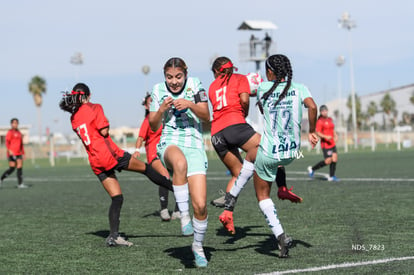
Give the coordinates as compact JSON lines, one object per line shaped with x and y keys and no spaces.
{"x":282,"y":123}
{"x":182,"y":128}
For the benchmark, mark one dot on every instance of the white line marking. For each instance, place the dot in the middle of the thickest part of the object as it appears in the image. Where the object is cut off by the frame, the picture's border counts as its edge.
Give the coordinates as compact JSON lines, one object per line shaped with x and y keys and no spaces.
{"x":336,"y":266}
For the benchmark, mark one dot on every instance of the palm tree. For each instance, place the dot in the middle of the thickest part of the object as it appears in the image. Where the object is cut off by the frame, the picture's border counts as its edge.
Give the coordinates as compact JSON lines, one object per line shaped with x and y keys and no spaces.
{"x":358,"y":111}
{"x":37,"y":87}
{"x":372,"y":110}
{"x":388,"y":107}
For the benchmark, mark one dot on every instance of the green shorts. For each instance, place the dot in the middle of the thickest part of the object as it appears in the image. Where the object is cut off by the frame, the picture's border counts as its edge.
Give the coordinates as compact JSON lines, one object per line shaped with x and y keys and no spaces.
{"x":266,"y":167}
{"x":197,"y":163}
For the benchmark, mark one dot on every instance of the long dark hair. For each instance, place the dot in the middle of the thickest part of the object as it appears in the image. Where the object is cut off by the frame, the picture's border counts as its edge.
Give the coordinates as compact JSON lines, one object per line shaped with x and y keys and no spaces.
{"x":279,"y":64}
{"x":224,"y":67}
{"x":71,"y":101}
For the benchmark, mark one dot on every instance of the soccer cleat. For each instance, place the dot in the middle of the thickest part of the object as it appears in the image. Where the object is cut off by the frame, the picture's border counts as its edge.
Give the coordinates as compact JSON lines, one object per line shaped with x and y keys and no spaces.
{"x":310,"y":172}
{"x":226,"y":218}
{"x":165,"y":216}
{"x":175,"y":215}
{"x":118,"y":241}
{"x":284,"y":243}
{"x":334,"y":178}
{"x":186,"y":226}
{"x":200,"y":257}
{"x":286,"y":194}
{"x":219,"y":202}
{"x":22,"y":186}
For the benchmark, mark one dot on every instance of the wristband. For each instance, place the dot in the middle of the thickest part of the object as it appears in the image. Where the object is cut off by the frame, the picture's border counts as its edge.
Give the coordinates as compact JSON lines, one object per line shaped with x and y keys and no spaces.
{"x":137,"y":150}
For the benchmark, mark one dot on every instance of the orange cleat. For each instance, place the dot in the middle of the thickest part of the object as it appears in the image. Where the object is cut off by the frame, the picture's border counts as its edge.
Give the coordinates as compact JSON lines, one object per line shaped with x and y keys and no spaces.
{"x":285,"y":194}
{"x":226,"y":218}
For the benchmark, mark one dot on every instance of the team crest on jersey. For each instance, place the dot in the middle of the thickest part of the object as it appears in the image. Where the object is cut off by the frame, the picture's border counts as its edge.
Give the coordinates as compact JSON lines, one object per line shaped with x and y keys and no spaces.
{"x":189,"y":92}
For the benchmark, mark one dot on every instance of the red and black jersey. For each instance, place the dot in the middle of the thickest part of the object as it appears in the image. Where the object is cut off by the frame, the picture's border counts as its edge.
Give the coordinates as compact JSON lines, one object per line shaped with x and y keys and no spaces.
{"x":225,"y":99}
{"x":326,"y":127}
{"x":151,"y":139}
{"x":102,"y":151}
{"x":14,"y":142}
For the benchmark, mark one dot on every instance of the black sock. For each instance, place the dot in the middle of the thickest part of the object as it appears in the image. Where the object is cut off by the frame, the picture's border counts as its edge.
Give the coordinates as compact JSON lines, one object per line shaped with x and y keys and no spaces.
{"x":115,"y":213}
{"x":163,"y":194}
{"x":176,"y":209}
{"x":7,"y":173}
{"x":157,"y":178}
{"x":20,"y":175}
{"x":229,"y":202}
{"x":281,"y":176}
{"x":332,"y":168}
{"x":319,"y":165}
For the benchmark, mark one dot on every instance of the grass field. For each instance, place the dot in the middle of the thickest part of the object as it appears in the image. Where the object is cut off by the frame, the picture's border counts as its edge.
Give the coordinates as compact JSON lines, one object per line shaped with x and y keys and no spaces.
{"x":59,"y":225}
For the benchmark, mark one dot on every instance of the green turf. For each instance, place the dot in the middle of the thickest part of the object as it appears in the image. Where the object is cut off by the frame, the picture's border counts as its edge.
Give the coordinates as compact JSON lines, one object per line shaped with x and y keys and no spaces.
{"x":59,"y":225}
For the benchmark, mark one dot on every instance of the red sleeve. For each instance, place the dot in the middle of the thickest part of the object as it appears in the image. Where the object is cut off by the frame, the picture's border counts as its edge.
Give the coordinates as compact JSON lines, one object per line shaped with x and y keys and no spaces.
{"x":244,"y":86}
{"x":319,"y":126}
{"x":143,"y":131}
{"x":100,"y":120}
{"x":8,"y":139}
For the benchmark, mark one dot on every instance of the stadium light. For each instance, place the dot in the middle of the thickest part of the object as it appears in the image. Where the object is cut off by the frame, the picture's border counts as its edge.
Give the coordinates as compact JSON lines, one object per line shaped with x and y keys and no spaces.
{"x":345,"y":22}
{"x":340,"y":60}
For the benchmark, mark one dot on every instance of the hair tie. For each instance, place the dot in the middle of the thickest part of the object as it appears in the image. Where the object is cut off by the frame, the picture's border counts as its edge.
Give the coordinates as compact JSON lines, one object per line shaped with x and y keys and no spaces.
{"x":226,"y":66}
{"x":77,"y":92}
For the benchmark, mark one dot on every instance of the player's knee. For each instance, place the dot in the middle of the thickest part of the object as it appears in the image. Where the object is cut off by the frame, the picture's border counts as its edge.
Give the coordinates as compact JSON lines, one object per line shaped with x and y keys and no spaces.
{"x":328,"y":161}
{"x":200,"y":209}
{"x":180,"y":166}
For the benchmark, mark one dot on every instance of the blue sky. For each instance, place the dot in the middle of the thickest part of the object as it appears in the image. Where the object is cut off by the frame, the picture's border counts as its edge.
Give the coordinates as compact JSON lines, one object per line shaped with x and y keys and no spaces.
{"x":117,"y":38}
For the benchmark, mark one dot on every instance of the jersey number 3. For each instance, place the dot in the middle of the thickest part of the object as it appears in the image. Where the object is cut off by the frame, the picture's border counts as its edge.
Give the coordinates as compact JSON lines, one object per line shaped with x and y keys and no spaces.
{"x":83,"y":134}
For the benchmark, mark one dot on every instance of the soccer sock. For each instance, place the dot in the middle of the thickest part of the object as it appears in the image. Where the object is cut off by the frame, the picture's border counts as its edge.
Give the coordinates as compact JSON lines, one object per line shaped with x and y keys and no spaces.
{"x":200,"y":228}
{"x":229,"y":201}
{"x":245,"y":174}
{"x":269,"y":211}
{"x":115,"y":213}
{"x":157,"y":178}
{"x":319,"y":165}
{"x":281,"y":176}
{"x":7,"y":173}
{"x":181,"y":195}
{"x":19,"y":175}
{"x":332,"y":168}
{"x":163,"y":194}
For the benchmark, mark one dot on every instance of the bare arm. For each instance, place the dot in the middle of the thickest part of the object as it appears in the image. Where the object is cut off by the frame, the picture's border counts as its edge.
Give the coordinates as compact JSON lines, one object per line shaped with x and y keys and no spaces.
{"x":155,"y":118}
{"x":312,"y":113}
{"x":200,"y":109}
{"x":138,"y":145}
{"x":244,"y":102}
{"x":104,"y":131}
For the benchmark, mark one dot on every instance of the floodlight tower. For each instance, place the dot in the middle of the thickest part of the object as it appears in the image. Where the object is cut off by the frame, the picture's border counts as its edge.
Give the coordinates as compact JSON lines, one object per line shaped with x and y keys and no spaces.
{"x":340,"y":60}
{"x":345,"y":22}
{"x":76,"y":59}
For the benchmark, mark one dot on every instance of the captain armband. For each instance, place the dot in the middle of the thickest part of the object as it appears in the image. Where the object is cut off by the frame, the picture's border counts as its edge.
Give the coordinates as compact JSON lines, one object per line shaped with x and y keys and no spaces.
{"x":201,"y":96}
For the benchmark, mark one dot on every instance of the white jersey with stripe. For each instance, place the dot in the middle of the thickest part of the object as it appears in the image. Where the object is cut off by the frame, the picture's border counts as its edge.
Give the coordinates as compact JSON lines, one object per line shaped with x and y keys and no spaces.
{"x":182,"y":128}
{"x":282,"y":123}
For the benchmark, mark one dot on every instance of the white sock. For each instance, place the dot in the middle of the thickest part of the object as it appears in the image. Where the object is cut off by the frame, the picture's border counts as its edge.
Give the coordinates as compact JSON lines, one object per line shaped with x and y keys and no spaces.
{"x":181,"y":195}
{"x":200,"y":228}
{"x":269,"y":211}
{"x":245,"y":174}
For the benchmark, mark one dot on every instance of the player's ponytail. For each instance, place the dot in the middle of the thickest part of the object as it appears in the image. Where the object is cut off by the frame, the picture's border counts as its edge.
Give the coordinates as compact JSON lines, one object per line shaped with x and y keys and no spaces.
{"x":71,"y":101}
{"x":223,"y":68}
{"x":280,"y":66}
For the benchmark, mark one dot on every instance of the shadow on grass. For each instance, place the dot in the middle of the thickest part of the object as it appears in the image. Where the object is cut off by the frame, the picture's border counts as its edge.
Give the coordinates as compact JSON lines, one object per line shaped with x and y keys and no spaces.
{"x":105,"y":233}
{"x":155,"y":213}
{"x":185,"y":255}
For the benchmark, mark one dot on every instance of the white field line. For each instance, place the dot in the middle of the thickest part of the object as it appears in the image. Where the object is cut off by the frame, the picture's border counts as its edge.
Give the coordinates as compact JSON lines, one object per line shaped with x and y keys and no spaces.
{"x":322,"y":175}
{"x":337,"y":266}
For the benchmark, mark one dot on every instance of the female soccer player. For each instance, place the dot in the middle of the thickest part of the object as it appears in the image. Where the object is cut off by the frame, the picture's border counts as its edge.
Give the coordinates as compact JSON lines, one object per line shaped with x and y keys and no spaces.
{"x":90,"y":124}
{"x":280,"y":101}
{"x":180,"y":105}
{"x":325,"y":129}
{"x":229,"y":96}
{"x":15,"y":153}
{"x":151,"y":140}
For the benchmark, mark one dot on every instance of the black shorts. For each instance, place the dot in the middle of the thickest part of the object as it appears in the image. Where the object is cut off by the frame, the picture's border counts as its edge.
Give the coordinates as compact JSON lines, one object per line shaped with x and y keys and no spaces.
{"x":15,"y":158}
{"x":232,"y":138}
{"x":327,"y":153}
{"x":123,"y":163}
